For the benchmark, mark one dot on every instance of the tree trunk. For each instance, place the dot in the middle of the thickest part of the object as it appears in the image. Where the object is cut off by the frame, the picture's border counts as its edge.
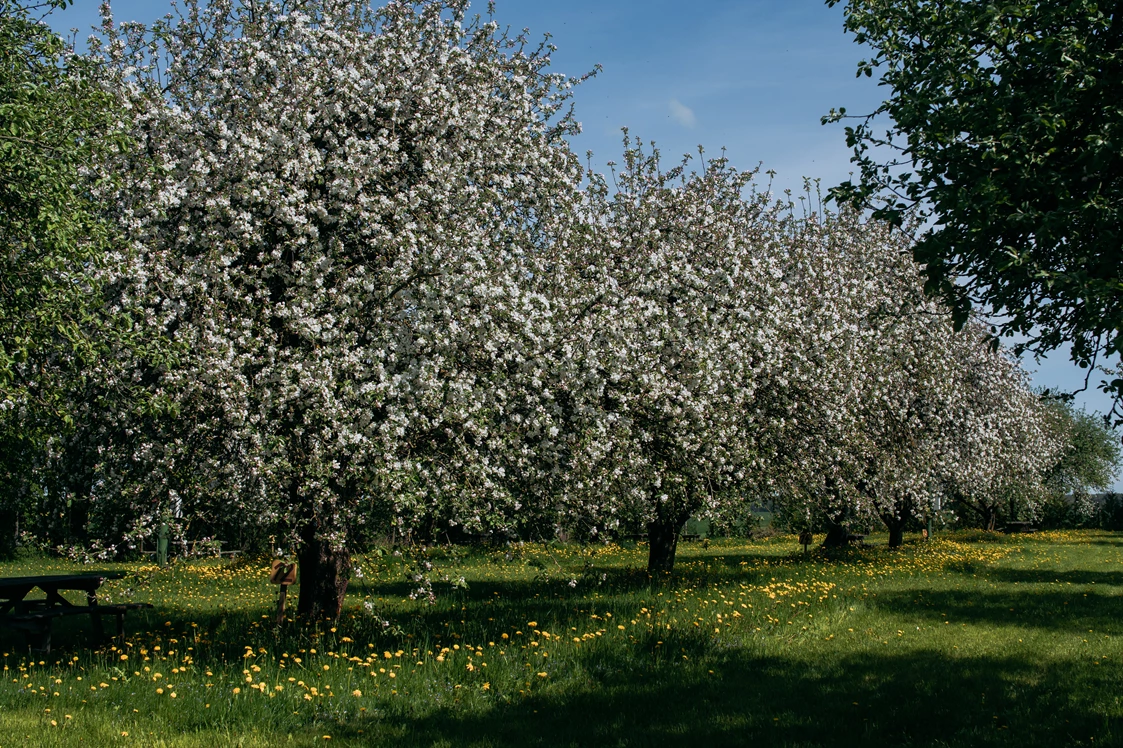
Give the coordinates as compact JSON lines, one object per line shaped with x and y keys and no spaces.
{"x":896,"y":534}
{"x":837,"y":534}
{"x":324,"y":573}
{"x":896,"y":525}
{"x":662,"y":541}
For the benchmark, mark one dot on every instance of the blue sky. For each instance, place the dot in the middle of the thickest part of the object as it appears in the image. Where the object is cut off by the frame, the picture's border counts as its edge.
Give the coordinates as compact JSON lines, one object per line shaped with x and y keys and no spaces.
{"x":752,"y":76}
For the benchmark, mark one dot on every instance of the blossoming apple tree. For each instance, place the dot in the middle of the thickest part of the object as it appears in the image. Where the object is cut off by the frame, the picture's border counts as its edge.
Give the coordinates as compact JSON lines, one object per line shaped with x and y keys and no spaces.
{"x":896,"y":408}
{"x":1004,"y":446}
{"x":339,"y":216}
{"x":676,"y":310}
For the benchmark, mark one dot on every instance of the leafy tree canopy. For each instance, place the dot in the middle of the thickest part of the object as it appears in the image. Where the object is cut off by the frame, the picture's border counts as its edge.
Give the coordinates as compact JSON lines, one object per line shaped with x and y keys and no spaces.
{"x":1005,"y":137}
{"x":55,"y":122}
{"x":1090,"y":459}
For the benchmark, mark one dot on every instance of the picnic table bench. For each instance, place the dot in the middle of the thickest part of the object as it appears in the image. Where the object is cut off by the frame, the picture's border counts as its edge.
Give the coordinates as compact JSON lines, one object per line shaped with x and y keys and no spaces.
{"x":1011,"y":527}
{"x":35,"y":616}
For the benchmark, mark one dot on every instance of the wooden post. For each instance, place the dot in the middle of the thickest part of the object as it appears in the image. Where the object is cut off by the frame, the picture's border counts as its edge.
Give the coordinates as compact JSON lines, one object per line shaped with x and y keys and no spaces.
{"x":281,"y":604}
{"x":283,"y":574}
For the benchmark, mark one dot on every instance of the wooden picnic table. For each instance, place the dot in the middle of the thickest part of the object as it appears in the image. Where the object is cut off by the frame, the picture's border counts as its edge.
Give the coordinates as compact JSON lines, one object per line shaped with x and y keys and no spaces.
{"x":34,"y":615}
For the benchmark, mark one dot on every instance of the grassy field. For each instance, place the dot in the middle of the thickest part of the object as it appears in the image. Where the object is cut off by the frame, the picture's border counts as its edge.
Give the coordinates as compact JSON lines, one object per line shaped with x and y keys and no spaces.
{"x":969,"y":640}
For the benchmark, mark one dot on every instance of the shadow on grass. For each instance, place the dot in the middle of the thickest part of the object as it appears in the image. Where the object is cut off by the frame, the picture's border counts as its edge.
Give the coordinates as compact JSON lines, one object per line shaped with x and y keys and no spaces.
{"x":717,"y":567}
{"x":1047,"y":576}
{"x":1051,"y":610}
{"x":1115,"y":542}
{"x":921,"y":698}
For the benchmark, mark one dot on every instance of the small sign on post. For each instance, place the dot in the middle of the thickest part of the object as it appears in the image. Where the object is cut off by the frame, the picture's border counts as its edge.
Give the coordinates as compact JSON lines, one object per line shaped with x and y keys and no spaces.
{"x":283,"y":574}
{"x":806,"y":539}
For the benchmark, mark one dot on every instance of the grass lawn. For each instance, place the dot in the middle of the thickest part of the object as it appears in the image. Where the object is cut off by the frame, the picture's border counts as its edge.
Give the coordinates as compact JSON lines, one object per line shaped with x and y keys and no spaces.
{"x":969,"y":640}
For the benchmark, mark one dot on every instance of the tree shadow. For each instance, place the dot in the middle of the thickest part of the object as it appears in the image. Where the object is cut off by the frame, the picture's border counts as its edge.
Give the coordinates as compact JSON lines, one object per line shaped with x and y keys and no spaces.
{"x":719,"y":566}
{"x":1115,"y":542}
{"x":1047,"y":576}
{"x":1054,"y":611}
{"x":922,"y":698}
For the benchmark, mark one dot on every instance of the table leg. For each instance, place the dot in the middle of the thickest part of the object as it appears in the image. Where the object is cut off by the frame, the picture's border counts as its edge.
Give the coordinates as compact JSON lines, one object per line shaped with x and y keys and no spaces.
{"x":40,"y":640}
{"x":91,"y":600}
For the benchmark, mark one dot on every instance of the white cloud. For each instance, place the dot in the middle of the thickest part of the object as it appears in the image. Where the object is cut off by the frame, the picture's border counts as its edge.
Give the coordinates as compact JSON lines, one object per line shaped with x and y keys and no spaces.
{"x":682,"y":114}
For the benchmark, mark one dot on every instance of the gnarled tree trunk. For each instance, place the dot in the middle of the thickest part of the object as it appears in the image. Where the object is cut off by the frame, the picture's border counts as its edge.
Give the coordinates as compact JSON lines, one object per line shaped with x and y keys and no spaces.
{"x":324,"y":572}
{"x":987,"y":513}
{"x":896,"y":534}
{"x":896,"y":525}
{"x":663,"y":531}
{"x":837,"y":534}
{"x":662,"y":541}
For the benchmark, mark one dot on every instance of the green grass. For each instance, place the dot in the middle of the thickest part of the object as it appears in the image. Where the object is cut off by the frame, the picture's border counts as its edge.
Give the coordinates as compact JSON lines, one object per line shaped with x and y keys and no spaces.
{"x":971,"y":640}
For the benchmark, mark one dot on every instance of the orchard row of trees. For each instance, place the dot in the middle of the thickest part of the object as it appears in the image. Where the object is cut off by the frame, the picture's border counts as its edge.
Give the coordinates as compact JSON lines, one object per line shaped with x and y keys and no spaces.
{"x":344,"y":275}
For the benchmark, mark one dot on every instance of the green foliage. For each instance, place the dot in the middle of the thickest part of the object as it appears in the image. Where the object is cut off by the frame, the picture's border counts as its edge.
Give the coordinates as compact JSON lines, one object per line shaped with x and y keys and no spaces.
{"x":59,"y":341}
{"x":1005,"y":137}
{"x":1090,"y":461}
{"x":1111,"y":512}
{"x":55,"y":122}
